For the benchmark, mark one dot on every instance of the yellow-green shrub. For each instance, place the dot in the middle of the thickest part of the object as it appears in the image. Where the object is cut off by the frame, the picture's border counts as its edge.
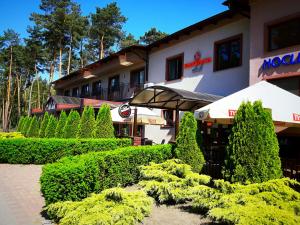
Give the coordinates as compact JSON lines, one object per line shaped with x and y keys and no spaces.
{"x":4,"y":135}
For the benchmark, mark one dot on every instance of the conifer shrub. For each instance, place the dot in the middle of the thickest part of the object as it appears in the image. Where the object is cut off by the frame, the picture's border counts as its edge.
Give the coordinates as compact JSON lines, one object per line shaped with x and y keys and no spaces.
{"x":71,"y":127}
{"x":44,"y":124}
{"x":61,"y":124}
{"x":26,"y":125}
{"x":187,"y":148}
{"x":21,"y":123}
{"x":104,"y":126}
{"x":51,"y":127}
{"x":252,"y":153}
{"x":111,"y":206}
{"x":74,"y":178}
{"x":87,"y":123}
{"x":33,"y":130}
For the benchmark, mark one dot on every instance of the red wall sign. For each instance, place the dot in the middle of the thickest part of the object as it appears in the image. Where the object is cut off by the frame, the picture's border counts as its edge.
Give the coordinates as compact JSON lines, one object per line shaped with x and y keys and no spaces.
{"x":296,"y":117}
{"x":198,"y":62}
{"x":231,"y":112}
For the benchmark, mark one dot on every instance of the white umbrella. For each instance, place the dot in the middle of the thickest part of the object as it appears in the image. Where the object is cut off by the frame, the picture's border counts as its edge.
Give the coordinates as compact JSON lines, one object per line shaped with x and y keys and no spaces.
{"x":285,"y":106}
{"x":144,"y":116}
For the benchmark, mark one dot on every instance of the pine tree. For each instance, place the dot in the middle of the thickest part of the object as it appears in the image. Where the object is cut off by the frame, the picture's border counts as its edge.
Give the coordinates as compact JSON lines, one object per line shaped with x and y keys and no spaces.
{"x":44,"y":124}
{"x":33,"y":130}
{"x":252,"y":153}
{"x":87,"y":123}
{"x":104,"y":126}
{"x":21,"y":123}
{"x":60,"y":125}
{"x":71,"y":127}
{"x":187,"y":148}
{"x":51,"y":126}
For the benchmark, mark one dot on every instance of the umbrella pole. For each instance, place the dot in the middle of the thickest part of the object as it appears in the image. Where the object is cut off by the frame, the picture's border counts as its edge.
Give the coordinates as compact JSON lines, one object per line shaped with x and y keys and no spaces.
{"x":135,"y":123}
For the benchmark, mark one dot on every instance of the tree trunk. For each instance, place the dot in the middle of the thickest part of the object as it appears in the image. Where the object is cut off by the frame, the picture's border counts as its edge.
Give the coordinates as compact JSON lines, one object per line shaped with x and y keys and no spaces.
{"x":101,"y":50}
{"x":51,"y":74}
{"x":81,"y":54}
{"x":38,"y":87}
{"x":19,"y":95}
{"x":70,"y":54}
{"x":60,"y":62}
{"x":29,"y":100}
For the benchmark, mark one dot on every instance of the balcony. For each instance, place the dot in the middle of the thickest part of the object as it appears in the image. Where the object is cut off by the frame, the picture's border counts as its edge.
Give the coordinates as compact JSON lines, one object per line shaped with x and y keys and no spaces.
{"x":122,"y":92}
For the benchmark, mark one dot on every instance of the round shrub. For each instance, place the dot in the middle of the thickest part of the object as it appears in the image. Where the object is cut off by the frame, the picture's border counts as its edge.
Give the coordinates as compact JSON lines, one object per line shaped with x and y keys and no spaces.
{"x":51,"y":127}
{"x":61,"y":124}
{"x":252,"y":153}
{"x":87,"y":123}
{"x":187,"y":148}
{"x":44,"y":125}
{"x":104,"y":126}
{"x":71,"y":127}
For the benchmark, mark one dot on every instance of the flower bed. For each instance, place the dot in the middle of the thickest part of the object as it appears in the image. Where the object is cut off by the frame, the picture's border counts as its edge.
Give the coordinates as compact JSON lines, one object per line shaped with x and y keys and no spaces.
{"x":43,"y":150}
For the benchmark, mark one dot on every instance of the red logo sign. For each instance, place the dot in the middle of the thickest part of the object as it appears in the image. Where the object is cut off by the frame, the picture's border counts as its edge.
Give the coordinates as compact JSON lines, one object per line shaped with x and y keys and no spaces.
{"x":124,"y":111}
{"x":198,"y":62}
{"x":231,"y":112}
{"x":296,"y":117}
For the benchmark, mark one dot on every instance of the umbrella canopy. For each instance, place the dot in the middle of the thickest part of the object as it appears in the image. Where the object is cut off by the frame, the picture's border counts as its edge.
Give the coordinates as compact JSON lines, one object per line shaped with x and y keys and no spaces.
{"x":285,"y":106}
{"x":144,"y":116}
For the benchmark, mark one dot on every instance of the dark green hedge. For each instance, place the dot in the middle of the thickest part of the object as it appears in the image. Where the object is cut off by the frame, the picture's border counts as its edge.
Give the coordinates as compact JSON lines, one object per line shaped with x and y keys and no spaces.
{"x":74,"y":178}
{"x":43,"y":150}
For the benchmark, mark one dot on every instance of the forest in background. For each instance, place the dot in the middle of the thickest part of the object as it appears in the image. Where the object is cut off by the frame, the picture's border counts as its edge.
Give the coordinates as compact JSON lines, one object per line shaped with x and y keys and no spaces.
{"x":61,"y":40}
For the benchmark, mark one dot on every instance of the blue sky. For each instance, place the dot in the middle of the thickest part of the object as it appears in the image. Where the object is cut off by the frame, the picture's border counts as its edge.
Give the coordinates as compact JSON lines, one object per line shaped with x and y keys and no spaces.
{"x":166,"y":15}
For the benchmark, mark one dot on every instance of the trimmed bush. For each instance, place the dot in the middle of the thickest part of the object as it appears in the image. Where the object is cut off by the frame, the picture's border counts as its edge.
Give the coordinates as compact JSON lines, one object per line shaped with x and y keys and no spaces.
{"x":187,"y":148}
{"x":252,"y":153}
{"x":33,"y":130}
{"x":51,"y":127}
{"x":61,"y":124}
{"x":26,"y":125}
{"x":104,"y":126}
{"x":112,"y":206}
{"x":87,"y":123}
{"x":74,"y":178}
{"x":71,"y":127}
{"x":44,"y":124}
{"x":4,"y":135}
{"x":44,"y":150}
{"x":21,"y":123}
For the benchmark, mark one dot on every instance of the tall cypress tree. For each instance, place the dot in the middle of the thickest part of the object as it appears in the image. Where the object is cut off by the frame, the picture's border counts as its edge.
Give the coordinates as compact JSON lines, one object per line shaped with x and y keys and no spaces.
{"x":71,"y":127}
{"x":87,"y":123}
{"x":44,"y":124}
{"x":187,"y":148}
{"x":51,"y":126}
{"x":104,"y":126}
{"x":60,"y":125}
{"x":252,"y":153}
{"x":26,"y":125}
{"x":33,"y":130}
{"x":21,"y":123}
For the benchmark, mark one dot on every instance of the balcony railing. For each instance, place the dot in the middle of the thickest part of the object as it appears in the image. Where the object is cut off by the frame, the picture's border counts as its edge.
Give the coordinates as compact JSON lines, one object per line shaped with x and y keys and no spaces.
{"x":122,"y":92}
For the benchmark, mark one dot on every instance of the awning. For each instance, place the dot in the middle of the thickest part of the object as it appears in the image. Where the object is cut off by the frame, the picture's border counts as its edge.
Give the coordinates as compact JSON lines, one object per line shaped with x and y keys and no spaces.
{"x":285,"y":106}
{"x":144,"y":116}
{"x":163,"y":97}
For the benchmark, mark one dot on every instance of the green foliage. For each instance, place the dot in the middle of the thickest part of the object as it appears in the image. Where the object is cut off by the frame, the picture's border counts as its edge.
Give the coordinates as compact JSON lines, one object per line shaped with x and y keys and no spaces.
{"x":272,"y":202}
{"x":4,"y":135}
{"x":127,"y":41}
{"x":21,"y":123}
{"x":61,"y":124}
{"x":187,"y":148}
{"x":44,"y":124}
{"x":74,"y":178}
{"x":26,"y":125}
{"x":71,"y":127}
{"x":43,"y":150}
{"x":104,"y":126}
{"x":152,"y":35}
{"x":112,"y":206}
{"x":87,"y":123}
{"x":33,"y":130}
{"x":252,"y":153}
{"x":51,"y":127}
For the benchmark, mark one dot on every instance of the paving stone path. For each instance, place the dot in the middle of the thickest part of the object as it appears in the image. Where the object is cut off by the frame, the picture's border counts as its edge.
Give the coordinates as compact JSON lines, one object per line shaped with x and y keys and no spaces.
{"x":21,"y":202}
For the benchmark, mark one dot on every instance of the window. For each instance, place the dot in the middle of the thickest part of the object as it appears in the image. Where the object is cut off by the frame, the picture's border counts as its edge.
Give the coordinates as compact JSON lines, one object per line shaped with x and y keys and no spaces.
{"x":228,"y":53}
{"x":283,"y":34}
{"x":113,"y":83}
{"x":168,"y":115}
{"x":67,"y":93}
{"x":174,"y":67}
{"x":75,"y":92}
{"x":85,"y":90}
{"x":137,"y":78}
{"x":97,"y":88}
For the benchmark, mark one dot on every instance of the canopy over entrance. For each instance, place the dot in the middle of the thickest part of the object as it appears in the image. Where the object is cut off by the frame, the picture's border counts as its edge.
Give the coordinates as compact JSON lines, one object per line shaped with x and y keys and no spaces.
{"x":285,"y":106}
{"x":163,"y":97}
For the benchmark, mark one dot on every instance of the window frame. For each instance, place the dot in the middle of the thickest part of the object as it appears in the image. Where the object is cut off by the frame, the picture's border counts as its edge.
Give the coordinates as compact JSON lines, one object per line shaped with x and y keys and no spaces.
{"x":167,"y":77}
{"x":96,"y":92}
{"x":226,"y":40}
{"x":273,"y":23}
{"x":78,"y":94}
{"x":132,"y":85}
{"x":86,"y":93}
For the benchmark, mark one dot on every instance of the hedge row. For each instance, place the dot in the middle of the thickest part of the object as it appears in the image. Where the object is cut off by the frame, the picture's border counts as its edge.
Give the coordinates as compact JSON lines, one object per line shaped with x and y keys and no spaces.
{"x":43,"y":150}
{"x":4,"y":135}
{"x":74,"y":178}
